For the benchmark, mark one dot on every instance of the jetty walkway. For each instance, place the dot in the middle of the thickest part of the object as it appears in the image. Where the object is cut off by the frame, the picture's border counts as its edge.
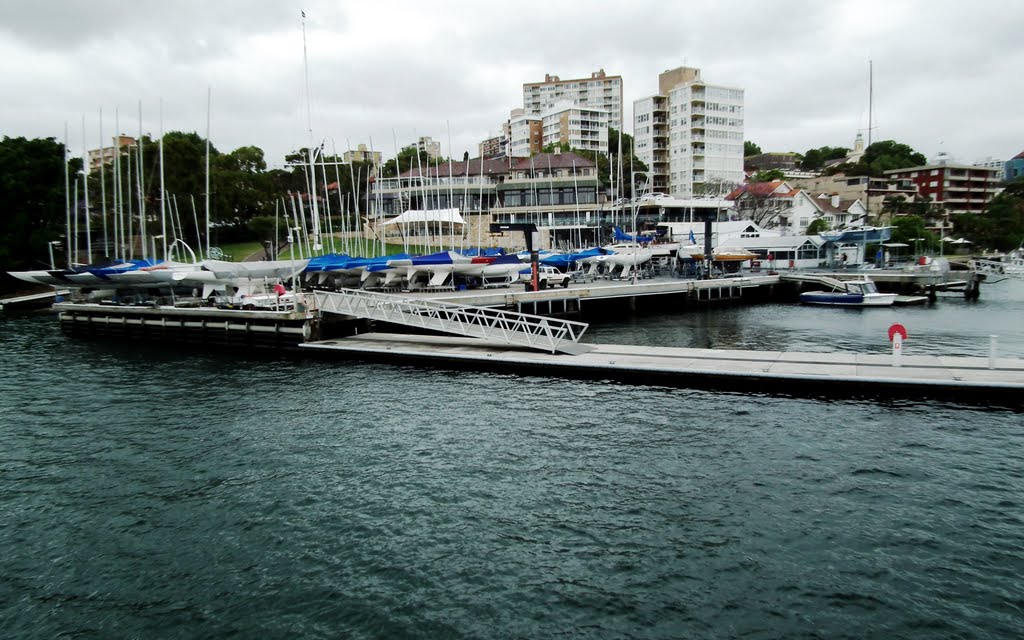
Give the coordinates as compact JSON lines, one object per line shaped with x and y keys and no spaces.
{"x":974,"y":380}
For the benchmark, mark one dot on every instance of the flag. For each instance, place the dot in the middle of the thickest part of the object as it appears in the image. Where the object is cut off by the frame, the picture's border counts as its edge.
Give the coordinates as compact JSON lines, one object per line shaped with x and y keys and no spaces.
{"x":692,"y":239}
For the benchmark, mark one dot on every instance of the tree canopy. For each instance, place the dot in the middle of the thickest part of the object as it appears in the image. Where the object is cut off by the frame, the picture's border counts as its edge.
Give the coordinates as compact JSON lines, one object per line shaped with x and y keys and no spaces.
{"x":1001,"y":225}
{"x":767,"y":175}
{"x":32,"y":204}
{"x":880,"y":157}
{"x":815,"y":159}
{"x":750,"y":149}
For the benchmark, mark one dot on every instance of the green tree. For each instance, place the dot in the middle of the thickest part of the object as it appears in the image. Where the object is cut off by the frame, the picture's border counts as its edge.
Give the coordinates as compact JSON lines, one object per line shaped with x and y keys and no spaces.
{"x":556,"y":147}
{"x":911,"y":231}
{"x":32,"y":202}
{"x":750,"y":149}
{"x":239,"y":184}
{"x":1001,"y":225}
{"x":815,"y":159}
{"x":817,"y":226}
{"x":880,"y":157}
{"x":887,"y":155}
{"x":768,"y":175}
{"x":407,"y":160}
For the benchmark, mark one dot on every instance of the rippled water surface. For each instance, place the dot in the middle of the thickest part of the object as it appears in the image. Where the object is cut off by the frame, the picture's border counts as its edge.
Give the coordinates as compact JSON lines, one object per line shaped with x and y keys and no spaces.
{"x":153,"y":492}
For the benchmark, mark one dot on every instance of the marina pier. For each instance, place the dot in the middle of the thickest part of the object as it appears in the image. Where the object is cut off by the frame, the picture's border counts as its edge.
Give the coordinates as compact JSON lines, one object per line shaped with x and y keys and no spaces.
{"x":793,"y":373}
{"x":496,"y":330}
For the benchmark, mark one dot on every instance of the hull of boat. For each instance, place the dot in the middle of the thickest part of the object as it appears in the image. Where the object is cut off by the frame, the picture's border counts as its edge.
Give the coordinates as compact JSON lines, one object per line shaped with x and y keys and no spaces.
{"x":840,"y":299}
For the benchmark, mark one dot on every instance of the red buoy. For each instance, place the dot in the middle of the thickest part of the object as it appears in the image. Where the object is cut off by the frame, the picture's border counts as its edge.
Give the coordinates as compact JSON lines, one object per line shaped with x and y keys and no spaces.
{"x":897,"y":328}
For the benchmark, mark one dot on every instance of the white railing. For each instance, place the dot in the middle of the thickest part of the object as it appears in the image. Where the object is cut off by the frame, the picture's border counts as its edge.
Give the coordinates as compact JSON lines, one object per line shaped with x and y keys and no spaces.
{"x":535,"y":332}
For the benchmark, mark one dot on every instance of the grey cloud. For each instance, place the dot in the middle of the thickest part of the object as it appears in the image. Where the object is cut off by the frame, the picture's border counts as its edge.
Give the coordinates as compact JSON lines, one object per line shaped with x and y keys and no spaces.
{"x":943,"y":71}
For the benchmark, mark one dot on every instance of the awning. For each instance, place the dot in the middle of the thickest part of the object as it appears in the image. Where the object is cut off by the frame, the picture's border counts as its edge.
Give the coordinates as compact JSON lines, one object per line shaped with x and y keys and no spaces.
{"x":416,"y":216}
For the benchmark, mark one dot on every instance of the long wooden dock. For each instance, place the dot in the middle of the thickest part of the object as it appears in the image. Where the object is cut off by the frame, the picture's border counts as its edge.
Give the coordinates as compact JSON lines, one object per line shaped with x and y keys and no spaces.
{"x":31,"y":301}
{"x":580,"y":294}
{"x":789,"y":373}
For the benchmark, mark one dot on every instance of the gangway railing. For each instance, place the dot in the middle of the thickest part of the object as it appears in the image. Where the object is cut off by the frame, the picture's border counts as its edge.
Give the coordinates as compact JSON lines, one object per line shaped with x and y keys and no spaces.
{"x":495,"y":325}
{"x":818,"y":278}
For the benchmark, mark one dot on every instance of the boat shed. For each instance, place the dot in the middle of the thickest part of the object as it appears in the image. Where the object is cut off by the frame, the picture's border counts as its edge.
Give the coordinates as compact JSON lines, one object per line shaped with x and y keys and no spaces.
{"x":792,"y":252}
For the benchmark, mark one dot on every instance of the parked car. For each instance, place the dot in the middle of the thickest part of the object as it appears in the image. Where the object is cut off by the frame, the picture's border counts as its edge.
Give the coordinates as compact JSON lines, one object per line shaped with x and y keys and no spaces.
{"x":652,"y":196}
{"x":547,"y":277}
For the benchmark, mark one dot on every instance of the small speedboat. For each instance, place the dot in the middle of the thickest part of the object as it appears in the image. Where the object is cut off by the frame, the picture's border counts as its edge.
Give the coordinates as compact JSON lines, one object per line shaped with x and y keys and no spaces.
{"x":855,"y":293}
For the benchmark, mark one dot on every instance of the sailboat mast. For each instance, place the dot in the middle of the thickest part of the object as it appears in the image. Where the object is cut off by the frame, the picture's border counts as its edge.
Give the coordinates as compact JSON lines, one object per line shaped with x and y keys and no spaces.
{"x":163,"y":195}
{"x":451,"y":193}
{"x":355,"y":193}
{"x":480,"y":215}
{"x":315,"y":226}
{"x":871,"y":96}
{"x":138,"y":177}
{"x":67,"y":194}
{"x":103,"y":192}
{"x":85,"y":189}
{"x":116,"y":187}
{"x":208,"y":95}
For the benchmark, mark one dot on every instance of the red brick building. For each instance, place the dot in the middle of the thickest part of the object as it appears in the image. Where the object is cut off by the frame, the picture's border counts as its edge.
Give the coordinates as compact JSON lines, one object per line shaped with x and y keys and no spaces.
{"x":956,"y":188}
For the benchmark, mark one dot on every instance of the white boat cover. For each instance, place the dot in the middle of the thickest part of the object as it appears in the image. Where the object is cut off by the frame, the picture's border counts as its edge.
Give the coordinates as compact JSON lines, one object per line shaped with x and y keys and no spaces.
{"x":414,"y":216}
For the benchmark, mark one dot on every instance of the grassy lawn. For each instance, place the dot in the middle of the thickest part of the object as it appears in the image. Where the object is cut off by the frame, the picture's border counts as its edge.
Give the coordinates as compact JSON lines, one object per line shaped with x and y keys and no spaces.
{"x":238,"y":251}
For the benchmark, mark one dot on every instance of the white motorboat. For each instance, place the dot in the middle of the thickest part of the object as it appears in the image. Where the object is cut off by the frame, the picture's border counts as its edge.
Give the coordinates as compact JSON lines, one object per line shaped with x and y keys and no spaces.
{"x":854,"y":293}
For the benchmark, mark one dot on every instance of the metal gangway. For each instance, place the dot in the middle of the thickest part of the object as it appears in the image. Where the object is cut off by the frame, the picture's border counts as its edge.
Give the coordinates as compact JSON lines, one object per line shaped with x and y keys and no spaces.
{"x":494,"y":325}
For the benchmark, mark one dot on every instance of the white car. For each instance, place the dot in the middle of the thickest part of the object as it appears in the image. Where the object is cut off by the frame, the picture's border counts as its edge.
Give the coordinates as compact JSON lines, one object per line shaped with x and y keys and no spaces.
{"x":547,"y":277}
{"x":652,"y":196}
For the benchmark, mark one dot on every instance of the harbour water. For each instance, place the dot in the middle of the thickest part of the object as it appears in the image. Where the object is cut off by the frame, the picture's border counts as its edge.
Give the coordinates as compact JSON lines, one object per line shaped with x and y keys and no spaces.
{"x":149,"y":491}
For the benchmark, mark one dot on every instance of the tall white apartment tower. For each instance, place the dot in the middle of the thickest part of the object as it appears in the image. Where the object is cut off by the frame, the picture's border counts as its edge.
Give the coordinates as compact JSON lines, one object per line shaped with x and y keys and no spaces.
{"x":690,"y":135}
{"x":599,"y":91}
{"x":579,"y":127}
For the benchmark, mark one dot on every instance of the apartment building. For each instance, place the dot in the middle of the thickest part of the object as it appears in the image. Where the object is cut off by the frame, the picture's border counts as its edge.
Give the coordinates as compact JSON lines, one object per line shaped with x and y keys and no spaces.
{"x":431,"y":146}
{"x":992,"y":163}
{"x":362,"y":154}
{"x":599,"y":91}
{"x":1014,"y":167}
{"x":526,"y":134}
{"x":105,"y":155}
{"x":782,"y":160}
{"x":690,"y":134}
{"x":579,"y":127}
{"x":493,"y":147}
{"x":956,"y":188}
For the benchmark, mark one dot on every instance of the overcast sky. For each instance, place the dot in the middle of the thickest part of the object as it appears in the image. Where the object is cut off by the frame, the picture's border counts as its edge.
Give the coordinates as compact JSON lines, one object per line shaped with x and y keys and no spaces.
{"x":947,"y":75}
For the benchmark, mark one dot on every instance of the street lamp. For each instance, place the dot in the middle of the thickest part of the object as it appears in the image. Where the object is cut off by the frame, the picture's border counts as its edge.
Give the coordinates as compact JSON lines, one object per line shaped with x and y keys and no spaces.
{"x":50,"y":245}
{"x":154,"y":239}
{"x":916,"y":241}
